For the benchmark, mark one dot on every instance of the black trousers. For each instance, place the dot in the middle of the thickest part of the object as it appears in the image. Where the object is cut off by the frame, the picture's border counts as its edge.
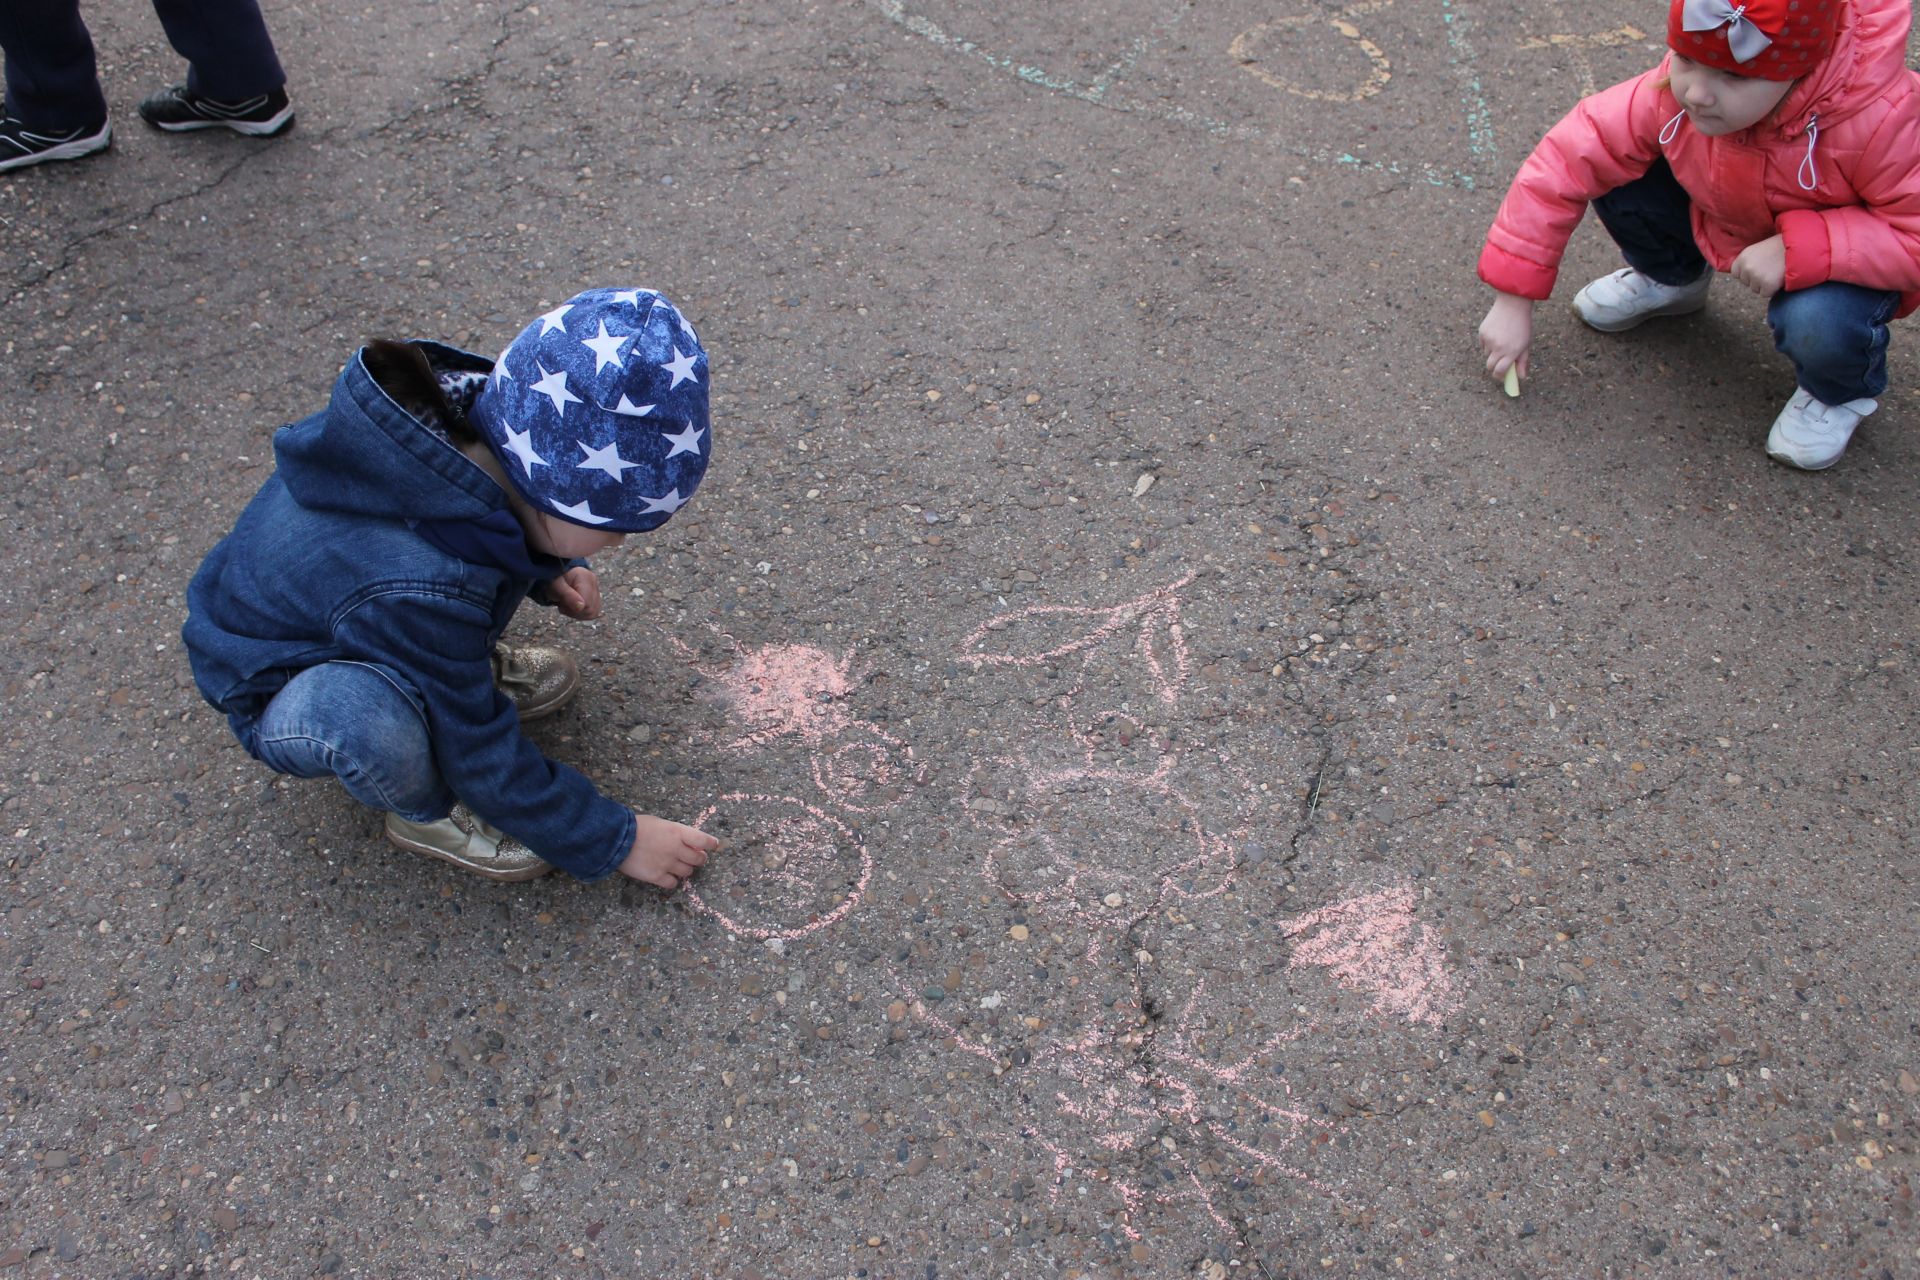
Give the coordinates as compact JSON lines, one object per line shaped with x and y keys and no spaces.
{"x":52,"y":83}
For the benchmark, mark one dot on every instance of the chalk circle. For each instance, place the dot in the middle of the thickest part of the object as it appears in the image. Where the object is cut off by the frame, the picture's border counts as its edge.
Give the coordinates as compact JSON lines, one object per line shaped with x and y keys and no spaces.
{"x":788,"y":869}
{"x":1156,"y":848}
{"x":1263,"y":46}
{"x":858,"y":768}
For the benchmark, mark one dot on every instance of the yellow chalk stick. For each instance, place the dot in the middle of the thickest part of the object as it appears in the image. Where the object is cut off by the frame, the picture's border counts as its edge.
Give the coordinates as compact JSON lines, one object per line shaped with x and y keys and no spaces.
{"x":1513,"y":380}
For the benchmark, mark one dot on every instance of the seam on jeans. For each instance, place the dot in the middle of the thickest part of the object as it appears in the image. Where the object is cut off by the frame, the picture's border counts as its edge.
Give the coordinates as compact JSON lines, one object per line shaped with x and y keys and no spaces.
{"x":1879,"y":338}
{"x":331,"y":754}
{"x":411,"y":697}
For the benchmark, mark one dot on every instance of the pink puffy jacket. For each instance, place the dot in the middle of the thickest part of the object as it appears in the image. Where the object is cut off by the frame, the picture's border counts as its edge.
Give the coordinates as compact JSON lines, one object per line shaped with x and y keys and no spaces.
{"x":1835,"y":170}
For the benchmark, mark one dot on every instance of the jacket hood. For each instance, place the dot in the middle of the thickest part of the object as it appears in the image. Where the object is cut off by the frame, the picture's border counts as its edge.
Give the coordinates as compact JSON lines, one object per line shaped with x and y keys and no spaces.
{"x":365,"y":455}
{"x":1869,"y":55}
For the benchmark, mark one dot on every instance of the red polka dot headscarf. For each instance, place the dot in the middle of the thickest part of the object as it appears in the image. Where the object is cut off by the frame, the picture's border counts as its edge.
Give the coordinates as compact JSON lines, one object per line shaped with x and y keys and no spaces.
{"x":1764,"y":39}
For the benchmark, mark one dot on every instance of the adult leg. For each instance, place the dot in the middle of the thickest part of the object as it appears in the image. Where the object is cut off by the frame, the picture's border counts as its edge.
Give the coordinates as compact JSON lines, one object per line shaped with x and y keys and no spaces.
{"x":1650,"y":219}
{"x":52,"y":82}
{"x":362,"y":724}
{"x":229,"y":54}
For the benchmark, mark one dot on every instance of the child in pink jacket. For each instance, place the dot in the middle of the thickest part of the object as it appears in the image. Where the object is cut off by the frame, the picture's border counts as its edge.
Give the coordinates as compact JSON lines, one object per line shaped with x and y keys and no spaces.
{"x":1780,"y":142}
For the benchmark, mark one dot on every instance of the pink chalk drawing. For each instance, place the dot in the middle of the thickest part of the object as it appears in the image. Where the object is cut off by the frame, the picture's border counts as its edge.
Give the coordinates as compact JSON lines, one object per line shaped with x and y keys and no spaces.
{"x":1152,"y":1091}
{"x":790,"y":868}
{"x":1038,"y":859}
{"x":1159,"y":638}
{"x":1371,"y":943}
{"x":1187,"y":1120}
{"x":799,"y":692}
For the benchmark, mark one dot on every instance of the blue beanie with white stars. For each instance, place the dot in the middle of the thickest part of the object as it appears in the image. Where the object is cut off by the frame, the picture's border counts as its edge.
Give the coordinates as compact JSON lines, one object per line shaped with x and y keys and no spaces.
{"x":598,"y":410}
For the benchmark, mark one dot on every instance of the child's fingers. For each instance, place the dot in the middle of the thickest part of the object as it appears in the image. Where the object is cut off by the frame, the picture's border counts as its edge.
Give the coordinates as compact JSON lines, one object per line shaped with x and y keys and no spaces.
{"x":658,"y":877}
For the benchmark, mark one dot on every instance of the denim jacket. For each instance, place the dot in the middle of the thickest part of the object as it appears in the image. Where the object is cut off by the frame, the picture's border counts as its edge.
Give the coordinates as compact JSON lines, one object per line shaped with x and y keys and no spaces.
{"x":324,"y":564}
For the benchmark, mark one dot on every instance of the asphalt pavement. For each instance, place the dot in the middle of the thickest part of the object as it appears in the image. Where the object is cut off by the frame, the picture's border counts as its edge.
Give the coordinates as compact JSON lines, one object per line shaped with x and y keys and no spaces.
{"x":1212,"y":786}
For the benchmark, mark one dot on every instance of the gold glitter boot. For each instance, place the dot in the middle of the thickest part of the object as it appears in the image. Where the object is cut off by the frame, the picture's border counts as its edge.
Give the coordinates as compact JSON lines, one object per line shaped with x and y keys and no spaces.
{"x":540,"y":680}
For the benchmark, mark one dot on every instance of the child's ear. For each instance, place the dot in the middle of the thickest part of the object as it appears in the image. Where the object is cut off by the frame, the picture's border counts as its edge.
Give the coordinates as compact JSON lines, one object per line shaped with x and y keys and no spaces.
{"x":402,"y":371}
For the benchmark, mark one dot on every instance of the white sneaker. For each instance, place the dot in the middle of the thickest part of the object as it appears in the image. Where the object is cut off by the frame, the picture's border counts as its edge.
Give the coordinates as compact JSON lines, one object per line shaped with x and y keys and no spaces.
{"x":1625,"y":298}
{"x":1812,"y":435}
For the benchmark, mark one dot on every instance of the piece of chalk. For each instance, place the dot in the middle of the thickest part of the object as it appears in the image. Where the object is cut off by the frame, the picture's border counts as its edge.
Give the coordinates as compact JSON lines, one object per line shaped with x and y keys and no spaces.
{"x":1513,"y":380}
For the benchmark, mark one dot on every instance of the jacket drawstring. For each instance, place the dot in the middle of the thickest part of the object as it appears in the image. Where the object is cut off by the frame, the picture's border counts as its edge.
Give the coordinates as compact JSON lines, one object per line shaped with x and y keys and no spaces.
{"x":1809,"y":175}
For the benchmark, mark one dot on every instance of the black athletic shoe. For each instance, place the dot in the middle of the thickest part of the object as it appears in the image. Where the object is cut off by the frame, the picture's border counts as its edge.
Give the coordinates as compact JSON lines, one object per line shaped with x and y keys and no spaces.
{"x":176,"y":109}
{"x":21,"y":146}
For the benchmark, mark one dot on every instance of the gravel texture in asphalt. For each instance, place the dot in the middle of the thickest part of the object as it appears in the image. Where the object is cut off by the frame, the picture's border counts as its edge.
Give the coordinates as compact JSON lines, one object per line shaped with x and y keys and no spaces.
{"x":1211,"y":786}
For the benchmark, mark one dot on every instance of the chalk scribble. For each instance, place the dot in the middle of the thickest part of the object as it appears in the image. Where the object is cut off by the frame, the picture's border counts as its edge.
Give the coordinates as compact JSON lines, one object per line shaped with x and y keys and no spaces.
{"x":1149,"y":1108}
{"x":1372,"y":943}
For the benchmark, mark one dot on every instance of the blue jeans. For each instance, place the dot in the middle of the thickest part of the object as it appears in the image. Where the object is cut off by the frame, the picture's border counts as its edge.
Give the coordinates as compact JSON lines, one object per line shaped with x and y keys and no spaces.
{"x":1835,"y":333}
{"x":360,"y":723}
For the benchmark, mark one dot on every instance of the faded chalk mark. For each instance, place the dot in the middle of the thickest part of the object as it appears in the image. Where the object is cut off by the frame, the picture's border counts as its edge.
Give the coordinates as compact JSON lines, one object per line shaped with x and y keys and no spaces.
{"x":896,"y":12}
{"x":1247,"y":51}
{"x":1372,"y":943}
{"x":1613,"y":39}
{"x":1153,"y":1091}
{"x":1473,"y":97}
{"x":1576,"y":46}
{"x":1039,"y":862}
{"x":1125,"y":63}
{"x":790,"y":869}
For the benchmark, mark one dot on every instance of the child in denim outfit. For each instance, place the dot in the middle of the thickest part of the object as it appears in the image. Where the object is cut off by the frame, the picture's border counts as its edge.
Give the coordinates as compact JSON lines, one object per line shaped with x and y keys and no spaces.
{"x":350,"y":623}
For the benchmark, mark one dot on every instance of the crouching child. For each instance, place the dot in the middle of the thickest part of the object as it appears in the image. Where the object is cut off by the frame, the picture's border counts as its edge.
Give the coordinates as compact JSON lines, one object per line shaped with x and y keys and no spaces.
{"x":350,"y":624}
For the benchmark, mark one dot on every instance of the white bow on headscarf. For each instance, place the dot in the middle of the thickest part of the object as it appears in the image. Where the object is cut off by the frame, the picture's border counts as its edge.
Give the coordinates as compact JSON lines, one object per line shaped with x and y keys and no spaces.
{"x":1744,"y":40}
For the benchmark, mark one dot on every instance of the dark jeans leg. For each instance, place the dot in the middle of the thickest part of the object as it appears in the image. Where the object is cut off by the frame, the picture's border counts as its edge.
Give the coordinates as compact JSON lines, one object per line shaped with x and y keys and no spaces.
{"x":52,"y":83}
{"x":229,"y":55}
{"x":1649,"y":219}
{"x":1836,"y":336}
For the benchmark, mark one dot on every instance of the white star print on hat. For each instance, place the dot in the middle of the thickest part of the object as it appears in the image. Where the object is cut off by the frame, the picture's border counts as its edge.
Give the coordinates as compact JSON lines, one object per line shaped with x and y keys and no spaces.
{"x":598,"y":405}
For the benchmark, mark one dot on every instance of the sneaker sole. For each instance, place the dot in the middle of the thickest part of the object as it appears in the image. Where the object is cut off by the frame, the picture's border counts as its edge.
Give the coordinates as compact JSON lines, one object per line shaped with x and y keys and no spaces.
{"x":1634,"y":322}
{"x":78,"y":149}
{"x":1788,"y":460}
{"x":281,"y":120}
{"x":485,"y":873}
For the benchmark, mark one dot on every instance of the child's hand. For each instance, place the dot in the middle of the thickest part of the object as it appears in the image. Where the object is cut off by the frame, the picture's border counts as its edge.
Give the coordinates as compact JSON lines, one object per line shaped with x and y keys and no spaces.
{"x":665,"y":853}
{"x":577,"y":593}
{"x":1506,"y":334}
{"x":1762,"y":267}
